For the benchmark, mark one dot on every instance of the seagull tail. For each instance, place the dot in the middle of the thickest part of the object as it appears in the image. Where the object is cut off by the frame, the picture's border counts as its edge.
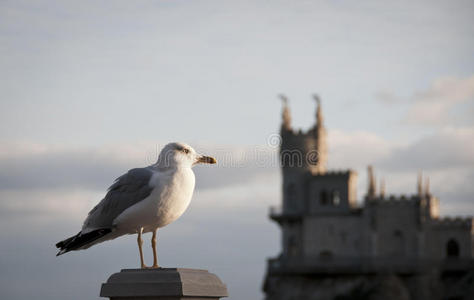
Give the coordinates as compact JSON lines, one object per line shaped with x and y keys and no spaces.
{"x":80,"y":240}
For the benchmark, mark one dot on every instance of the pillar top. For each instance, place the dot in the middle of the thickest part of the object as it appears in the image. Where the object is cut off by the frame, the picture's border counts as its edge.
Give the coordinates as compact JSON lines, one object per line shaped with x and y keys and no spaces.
{"x":169,"y":283}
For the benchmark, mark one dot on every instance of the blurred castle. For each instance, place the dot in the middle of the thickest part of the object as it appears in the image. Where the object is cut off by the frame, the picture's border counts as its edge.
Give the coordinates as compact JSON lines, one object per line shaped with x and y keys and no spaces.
{"x":388,"y":248}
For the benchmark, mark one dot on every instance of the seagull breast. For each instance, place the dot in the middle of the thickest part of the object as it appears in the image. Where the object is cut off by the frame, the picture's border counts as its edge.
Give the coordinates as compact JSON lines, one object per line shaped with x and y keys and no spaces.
{"x":170,"y":197}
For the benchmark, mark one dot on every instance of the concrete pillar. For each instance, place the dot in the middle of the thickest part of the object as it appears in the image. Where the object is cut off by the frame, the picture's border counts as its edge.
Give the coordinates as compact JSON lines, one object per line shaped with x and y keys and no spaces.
{"x":163,"y":284}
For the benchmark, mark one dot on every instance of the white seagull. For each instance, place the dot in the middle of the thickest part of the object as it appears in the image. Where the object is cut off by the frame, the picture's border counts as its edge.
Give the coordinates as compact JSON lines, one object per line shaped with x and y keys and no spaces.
{"x":142,"y":200}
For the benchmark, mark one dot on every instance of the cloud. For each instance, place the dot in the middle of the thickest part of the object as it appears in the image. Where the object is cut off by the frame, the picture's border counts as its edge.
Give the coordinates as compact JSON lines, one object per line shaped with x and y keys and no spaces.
{"x":447,"y":149}
{"x":41,"y":204}
{"x":355,"y":149}
{"x":434,"y":105}
{"x":45,"y":205}
{"x":446,"y":156}
{"x":387,"y":97}
{"x":33,"y":166}
{"x":36,"y":166}
{"x":75,"y":179}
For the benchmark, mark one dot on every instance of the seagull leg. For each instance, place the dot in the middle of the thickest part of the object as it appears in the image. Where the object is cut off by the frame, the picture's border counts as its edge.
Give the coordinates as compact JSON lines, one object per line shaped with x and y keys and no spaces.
{"x":153,"y":245}
{"x":140,"y":243}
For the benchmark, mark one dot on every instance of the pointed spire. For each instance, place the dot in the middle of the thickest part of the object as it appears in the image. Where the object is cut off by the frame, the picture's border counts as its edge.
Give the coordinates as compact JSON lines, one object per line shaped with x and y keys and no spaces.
{"x":319,"y":133}
{"x":319,"y":113}
{"x":371,"y":192}
{"x":286,"y":117}
{"x":427,"y":186}
{"x":419,"y":188}
{"x":382,"y":188}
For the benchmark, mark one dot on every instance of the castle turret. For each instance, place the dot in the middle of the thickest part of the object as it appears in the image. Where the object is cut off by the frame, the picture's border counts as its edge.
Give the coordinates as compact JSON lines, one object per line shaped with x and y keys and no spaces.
{"x":427,"y":187}
{"x":286,"y":116}
{"x":382,"y":188}
{"x":419,"y":188}
{"x":320,"y":133}
{"x":371,"y":189}
{"x":432,"y":202}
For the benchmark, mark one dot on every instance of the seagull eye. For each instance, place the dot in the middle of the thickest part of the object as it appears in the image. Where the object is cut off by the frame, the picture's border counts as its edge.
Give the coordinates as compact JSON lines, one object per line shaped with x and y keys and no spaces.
{"x":186,"y":150}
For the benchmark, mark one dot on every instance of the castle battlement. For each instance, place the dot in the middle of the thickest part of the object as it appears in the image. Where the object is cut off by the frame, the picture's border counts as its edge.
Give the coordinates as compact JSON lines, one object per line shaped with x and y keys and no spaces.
{"x":401,"y":199}
{"x":335,"y":173}
{"x":298,"y":132}
{"x":394,"y":200}
{"x":452,"y":222}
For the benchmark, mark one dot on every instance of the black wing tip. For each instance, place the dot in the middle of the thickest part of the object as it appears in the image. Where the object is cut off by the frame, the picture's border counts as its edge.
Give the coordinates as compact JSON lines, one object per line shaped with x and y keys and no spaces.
{"x":65,"y":242}
{"x":61,"y":252}
{"x":80,"y":240}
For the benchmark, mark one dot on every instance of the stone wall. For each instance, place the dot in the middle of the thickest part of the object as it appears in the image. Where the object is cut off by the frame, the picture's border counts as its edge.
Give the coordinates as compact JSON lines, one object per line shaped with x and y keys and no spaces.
{"x":396,"y":228}
{"x":431,"y":285}
{"x":450,"y":235}
{"x":333,"y":235}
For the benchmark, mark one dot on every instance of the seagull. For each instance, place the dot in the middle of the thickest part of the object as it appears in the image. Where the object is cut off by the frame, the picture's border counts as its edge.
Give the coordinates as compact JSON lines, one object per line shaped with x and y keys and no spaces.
{"x":142,"y":200}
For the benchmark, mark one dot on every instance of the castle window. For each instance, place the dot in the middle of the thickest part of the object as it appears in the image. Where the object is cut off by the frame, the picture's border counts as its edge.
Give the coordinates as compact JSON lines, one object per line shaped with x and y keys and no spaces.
{"x":452,"y":248}
{"x":323,"y":197}
{"x":291,"y":192}
{"x":325,"y":254}
{"x":399,"y":243}
{"x":343,"y":237}
{"x":335,"y":197}
{"x":292,"y":247}
{"x":291,"y":196}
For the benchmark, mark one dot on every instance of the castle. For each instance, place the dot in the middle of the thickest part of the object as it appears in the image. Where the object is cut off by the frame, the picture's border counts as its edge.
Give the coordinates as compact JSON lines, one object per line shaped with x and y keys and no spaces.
{"x":334,"y":248}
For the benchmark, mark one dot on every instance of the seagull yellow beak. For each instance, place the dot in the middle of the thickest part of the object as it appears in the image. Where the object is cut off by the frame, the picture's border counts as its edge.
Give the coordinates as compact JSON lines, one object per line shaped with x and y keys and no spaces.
{"x":206,"y":160}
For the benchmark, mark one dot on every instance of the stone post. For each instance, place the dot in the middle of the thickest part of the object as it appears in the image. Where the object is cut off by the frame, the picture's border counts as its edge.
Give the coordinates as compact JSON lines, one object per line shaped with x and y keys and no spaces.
{"x":163,"y":284}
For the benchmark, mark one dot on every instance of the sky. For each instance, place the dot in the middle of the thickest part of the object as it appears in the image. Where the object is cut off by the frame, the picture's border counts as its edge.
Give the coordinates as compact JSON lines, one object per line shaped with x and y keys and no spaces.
{"x":91,"y":89}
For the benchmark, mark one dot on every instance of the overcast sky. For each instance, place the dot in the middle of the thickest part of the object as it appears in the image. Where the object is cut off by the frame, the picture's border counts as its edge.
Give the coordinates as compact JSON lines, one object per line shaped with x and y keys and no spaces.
{"x":91,"y":89}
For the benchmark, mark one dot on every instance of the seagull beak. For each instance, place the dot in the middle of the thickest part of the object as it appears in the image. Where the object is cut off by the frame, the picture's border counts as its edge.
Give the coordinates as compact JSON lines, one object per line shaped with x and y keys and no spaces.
{"x":206,"y":160}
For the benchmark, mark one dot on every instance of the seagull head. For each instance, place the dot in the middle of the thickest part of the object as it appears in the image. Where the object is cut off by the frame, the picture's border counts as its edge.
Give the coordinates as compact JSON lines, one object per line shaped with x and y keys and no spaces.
{"x":181,"y":155}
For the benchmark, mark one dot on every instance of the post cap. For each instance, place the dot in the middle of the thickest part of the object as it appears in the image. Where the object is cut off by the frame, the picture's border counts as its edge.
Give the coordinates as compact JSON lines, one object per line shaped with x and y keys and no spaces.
{"x":172,"y":283}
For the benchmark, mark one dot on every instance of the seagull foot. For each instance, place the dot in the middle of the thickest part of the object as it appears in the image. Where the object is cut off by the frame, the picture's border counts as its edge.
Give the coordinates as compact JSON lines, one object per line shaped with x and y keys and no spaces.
{"x":151,"y":267}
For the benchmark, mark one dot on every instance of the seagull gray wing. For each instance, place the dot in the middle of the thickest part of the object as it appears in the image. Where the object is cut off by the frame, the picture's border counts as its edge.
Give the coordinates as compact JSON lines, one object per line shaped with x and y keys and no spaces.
{"x":127,"y":190}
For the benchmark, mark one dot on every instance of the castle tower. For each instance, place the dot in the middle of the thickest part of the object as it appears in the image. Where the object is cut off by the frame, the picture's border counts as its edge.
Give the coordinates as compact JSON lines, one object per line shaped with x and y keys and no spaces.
{"x":303,"y":151}
{"x":308,"y":189}
{"x":300,"y":153}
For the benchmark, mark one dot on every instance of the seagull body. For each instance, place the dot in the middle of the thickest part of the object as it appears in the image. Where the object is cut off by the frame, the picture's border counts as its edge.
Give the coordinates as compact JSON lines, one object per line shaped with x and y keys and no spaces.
{"x":142,"y":200}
